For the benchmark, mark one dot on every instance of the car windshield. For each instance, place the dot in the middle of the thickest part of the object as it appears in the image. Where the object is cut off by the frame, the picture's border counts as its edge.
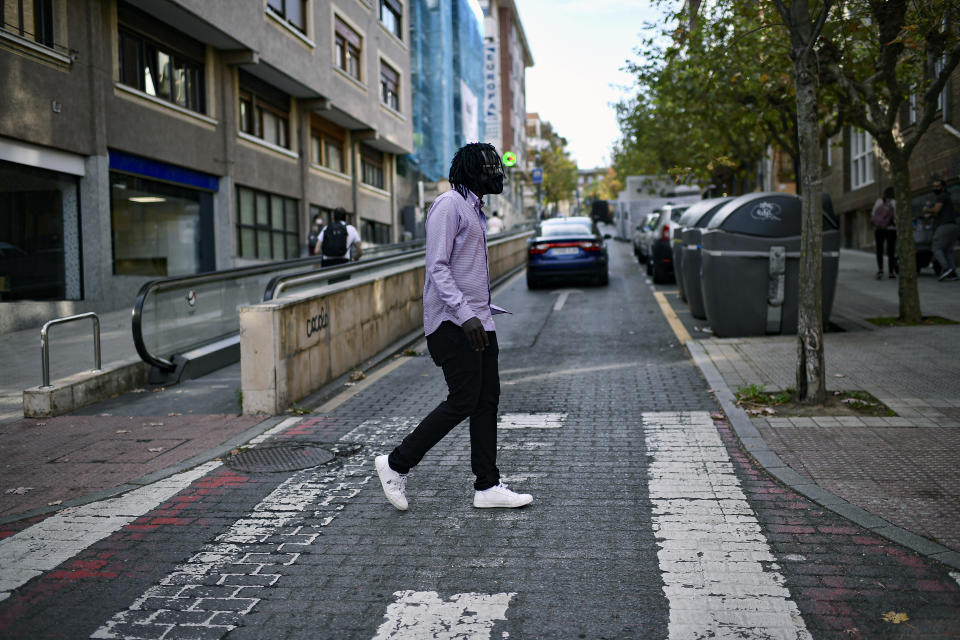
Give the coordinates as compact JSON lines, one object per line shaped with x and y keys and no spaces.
{"x":566,"y":230}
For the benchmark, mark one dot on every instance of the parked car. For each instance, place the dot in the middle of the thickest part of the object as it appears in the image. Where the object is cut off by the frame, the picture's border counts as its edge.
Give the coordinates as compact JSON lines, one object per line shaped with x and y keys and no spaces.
{"x":659,"y":238}
{"x":566,"y":248}
{"x":640,"y":235}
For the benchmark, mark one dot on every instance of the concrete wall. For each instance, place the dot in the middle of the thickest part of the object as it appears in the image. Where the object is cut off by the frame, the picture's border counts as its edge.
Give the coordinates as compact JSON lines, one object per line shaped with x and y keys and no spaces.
{"x":289,"y":349}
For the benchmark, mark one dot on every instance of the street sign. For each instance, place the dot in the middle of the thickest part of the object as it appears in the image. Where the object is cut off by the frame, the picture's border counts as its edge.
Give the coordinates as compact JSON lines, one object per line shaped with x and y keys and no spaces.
{"x":536,"y":175}
{"x":509,"y":159}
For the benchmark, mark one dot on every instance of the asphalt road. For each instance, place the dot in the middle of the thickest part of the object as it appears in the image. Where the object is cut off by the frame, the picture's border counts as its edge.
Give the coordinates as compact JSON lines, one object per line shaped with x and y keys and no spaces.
{"x":648,"y":521}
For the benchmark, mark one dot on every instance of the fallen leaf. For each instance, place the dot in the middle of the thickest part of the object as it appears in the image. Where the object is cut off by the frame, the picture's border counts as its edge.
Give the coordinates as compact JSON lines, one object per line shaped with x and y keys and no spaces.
{"x":769,"y":411}
{"x":39,"y":424}
{"x":716,"y":415}
{"x":122,"y":431}
{"x":357,"y":375}
{"x":54,"y":503}
{"x":894,"y":617}
{"x":174,"y":414}
{"x":839,"y":375}
{"x":19,"y":490}
{"x":155,"y":424}
{"x":155,"y":449}
{"x":349,"y":384}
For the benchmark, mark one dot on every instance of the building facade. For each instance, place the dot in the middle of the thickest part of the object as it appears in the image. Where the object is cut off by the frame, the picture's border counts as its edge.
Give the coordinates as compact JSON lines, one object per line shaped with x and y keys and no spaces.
{"x":504,"y":105}
{"x":855,"y":175}
{"x":143,"y":139}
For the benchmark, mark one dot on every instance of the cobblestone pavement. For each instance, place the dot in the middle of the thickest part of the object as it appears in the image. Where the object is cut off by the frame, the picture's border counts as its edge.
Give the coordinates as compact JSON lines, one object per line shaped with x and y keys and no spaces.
{"x":901,"y":468}
{"x":648,"y":521}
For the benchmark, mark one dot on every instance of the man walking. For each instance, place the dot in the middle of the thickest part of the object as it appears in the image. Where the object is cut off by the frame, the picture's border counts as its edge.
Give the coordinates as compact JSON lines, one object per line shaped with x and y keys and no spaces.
{"x":945,"y":235}
{"x":461,"y":337}
{"x":339,"y":242}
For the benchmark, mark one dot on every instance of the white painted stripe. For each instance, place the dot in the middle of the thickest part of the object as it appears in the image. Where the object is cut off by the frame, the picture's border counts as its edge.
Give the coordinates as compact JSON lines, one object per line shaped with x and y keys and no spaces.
{"x":531,"y":420}
{"x":269,"y":433}
{"x":578,"y":371}
{"x":416,"y":615}
{"x":561,"y":300}
{"x":58,"y":538}
{"x":284,"y":523}
{"x":719,"y":574}
{"x":956,"y":576}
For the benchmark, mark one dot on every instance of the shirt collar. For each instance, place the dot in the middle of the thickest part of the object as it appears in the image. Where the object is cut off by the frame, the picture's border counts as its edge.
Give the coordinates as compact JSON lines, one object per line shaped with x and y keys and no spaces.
{"x":474,"y":201}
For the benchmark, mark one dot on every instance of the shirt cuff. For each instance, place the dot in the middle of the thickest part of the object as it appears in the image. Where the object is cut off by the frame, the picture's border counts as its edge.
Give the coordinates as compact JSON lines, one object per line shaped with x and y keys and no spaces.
{"x":464,"y":313}
{"x":495,"y":310}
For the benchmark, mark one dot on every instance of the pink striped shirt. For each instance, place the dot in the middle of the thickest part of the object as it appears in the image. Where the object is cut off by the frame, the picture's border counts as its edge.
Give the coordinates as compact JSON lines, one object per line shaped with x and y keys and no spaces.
{"x":457,"y":282}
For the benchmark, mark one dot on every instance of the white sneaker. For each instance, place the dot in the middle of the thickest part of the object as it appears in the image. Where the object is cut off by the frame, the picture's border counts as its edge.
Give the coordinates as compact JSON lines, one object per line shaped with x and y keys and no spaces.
{"x":500,"y":496}
{"x":394,"y":484}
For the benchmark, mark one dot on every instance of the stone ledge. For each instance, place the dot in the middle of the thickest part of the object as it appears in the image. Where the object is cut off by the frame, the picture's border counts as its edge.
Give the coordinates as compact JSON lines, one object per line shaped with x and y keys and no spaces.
{"x":84,"y":388}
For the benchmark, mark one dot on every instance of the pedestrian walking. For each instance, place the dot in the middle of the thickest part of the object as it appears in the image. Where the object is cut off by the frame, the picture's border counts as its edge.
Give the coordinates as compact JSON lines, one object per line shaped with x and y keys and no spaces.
{"x":494,"y":224}
{"x":338,"y":242}
{"x":945,"y":236}
{"x":314,"y":235}
{"x":461,"y":336}
{"x":883,"y":217}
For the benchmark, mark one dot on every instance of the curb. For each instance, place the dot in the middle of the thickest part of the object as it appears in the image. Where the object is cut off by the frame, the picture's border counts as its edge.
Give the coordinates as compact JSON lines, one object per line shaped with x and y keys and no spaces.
{"x":769,"y":461}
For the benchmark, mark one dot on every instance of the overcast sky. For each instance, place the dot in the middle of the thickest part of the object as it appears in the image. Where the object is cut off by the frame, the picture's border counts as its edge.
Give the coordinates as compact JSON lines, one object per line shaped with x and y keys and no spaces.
{"x":578,"y":48}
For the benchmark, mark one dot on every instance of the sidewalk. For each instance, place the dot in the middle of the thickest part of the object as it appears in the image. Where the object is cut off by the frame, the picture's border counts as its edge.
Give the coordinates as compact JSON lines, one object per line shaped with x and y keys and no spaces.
{"x":902,"y":469}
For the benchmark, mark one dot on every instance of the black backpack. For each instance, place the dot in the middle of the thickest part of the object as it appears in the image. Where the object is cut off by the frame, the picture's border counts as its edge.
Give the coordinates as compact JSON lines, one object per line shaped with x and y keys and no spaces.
{"x":334,"y":243}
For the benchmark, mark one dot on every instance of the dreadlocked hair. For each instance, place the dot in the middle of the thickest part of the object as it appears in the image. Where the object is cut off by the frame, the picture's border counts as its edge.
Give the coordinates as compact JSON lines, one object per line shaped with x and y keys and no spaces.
{"x":467,"y":165}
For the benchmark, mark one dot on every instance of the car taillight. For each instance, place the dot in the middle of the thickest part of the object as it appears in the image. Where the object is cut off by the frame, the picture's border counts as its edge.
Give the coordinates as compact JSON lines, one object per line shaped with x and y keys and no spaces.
{"x":537,"y":249}
{"x":665,"y":235}
{"x":590,"y":246}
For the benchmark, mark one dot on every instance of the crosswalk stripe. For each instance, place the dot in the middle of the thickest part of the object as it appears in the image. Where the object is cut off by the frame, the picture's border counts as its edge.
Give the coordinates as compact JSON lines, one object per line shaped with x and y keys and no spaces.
{"x":719,"y":574}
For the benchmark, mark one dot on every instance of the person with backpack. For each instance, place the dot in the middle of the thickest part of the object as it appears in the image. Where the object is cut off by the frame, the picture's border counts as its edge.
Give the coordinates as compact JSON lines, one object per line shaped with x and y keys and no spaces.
{"x":338,"y":242}
{"x":885,"y":231}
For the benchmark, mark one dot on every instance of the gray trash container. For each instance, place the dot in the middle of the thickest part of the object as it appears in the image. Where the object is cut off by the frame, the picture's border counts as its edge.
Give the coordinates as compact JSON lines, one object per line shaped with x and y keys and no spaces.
{"x":694,"y":218}
{"x":751,"y":256}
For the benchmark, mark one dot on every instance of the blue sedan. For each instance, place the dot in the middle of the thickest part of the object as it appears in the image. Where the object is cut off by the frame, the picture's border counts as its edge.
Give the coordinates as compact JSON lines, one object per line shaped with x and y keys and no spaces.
{"x":567,"y":248}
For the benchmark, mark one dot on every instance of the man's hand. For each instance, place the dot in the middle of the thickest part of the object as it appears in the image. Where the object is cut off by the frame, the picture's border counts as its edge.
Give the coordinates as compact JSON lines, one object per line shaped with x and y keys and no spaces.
{"x":476,"y":335}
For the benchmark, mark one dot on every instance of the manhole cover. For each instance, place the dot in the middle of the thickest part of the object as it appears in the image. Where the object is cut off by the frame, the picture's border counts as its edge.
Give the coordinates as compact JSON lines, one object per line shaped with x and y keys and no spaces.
{"x":289,"y":456}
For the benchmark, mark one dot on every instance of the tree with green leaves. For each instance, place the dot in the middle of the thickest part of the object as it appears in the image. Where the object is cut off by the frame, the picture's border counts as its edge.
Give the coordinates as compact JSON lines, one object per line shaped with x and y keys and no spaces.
{"x":559,"y":170}
{"x":888,"y":59}
{"x":804,"y":29}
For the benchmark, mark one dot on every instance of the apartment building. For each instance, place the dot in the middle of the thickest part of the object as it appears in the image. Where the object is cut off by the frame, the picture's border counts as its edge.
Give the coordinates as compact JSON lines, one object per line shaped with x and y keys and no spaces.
{"x":142,"y":139}
{"x":504,"y":107}
{"x":855,"y":175}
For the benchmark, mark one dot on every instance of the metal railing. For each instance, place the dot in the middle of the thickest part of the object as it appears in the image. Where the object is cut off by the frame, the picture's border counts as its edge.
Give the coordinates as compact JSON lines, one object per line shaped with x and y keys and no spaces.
{"x":45,"y":343}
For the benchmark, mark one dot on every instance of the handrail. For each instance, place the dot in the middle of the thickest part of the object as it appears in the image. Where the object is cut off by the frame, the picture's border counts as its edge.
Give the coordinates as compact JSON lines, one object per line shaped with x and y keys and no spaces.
{"x":277,"y":285}
{"x":45,"y":344}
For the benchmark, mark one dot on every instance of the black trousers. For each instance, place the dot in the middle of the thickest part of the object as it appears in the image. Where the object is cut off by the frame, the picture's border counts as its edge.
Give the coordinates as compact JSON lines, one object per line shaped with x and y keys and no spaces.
{"x":890,"y":237}
{"x":329,"y":262}
{"x":473,"y":384}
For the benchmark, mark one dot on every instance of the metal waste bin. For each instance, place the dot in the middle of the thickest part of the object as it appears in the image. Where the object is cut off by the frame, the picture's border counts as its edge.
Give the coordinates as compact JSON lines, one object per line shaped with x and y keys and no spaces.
{"x":694,"y":218}
{"x":750,"y":271}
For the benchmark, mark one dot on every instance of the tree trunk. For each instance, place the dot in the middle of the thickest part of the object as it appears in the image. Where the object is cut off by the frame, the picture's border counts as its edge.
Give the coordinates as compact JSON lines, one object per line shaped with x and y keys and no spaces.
{"x":906,"y":248}
{"x":811,"y":386}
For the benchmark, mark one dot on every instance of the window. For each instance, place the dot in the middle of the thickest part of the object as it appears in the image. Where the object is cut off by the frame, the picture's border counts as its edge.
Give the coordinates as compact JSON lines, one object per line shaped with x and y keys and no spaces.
{"x":347,"y":48}
{"x":942,"y":98}
{"x":293,"y":12}
{"x":157,"y":227}
{"x":374,"y":232}
{"x":326,"y":145}
{"x":30,"y":19}
{"x":158,"y":71}
{"x":389,"y":86}
{"x":264,"y":112}
{"x":267,"y":225}
{"x":828,"y":150}
{"x":391,"y":15}
{"x":372,"y":167}
{"x":861,"y":158}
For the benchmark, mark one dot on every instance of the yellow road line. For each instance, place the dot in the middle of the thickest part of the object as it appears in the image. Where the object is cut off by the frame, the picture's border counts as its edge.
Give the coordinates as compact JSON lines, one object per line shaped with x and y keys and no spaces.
{"x":678,"y":329}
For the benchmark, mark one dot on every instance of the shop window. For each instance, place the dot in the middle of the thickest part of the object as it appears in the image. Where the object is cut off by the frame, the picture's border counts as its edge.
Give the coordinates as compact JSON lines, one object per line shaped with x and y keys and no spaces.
{"x":159,"y":229}
{"x":374,"y":232}
{"x":267,"y":225}
{"x":861,"y":158}
{"x":391,"y":15}
{"x":39,"y":235}
{"x":372,"y":167}
{"x":264,"y":112}
{"x":389,"y":86}
{"x":293,"y":12}
{"x":159,"y":71}
{"x":347,"y":48}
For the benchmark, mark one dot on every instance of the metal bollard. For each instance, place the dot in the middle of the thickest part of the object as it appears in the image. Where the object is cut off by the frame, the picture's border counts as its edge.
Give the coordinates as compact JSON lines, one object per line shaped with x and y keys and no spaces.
{"x":45,"y":344}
